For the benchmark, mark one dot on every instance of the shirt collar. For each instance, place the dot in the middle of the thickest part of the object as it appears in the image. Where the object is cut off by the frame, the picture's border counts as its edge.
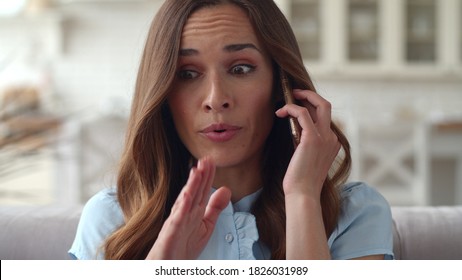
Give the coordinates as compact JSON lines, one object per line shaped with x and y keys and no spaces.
{"x":244,"y":204}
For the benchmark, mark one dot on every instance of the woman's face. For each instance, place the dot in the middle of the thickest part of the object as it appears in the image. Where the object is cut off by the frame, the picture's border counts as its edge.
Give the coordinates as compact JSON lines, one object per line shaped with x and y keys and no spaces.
{"x":221,"y":101}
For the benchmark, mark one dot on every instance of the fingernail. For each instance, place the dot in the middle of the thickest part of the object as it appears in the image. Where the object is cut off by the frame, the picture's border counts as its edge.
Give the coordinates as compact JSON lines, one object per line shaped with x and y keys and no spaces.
{"x":297,"y":91}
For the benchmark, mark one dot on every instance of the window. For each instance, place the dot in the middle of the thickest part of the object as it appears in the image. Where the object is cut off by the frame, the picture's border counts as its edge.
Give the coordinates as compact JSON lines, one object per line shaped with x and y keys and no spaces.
{"x":363,"y":30}
{"x":421,"y":29}
{"x":306,"y":25}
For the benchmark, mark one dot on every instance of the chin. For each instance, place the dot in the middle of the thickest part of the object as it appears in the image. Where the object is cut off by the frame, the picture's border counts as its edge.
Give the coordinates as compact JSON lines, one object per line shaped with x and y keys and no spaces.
{"x":224,"y":160}
{"x":220,"y":158}
{"x":233,"y":158}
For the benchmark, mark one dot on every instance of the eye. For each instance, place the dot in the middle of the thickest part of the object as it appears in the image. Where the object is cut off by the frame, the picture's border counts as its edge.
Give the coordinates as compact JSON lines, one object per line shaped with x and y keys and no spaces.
{"x":187,"y":74}
{"x":242,"y":69}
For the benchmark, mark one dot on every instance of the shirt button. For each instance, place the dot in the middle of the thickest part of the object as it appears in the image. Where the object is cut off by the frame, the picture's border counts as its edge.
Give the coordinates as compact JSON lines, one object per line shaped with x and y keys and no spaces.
{"x":242,"y":235}
{"x":229,"y":238}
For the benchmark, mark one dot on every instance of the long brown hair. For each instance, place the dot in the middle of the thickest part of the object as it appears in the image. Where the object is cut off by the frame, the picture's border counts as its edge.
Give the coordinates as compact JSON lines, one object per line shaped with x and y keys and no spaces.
{"x":154,"y":166}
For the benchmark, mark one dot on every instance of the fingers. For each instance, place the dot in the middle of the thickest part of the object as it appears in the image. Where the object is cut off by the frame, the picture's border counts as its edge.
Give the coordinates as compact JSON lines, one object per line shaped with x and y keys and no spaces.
{"x":187,"y":196}
{"x":206,"y":166}
{"x":314,"y":115}
{"x":301,"y":114}
{"x":191,"y":207}
{"x":196,"y":191}
{"x":218,"y":201}
{"x":192,"y":220}
{"x":319,"y":108}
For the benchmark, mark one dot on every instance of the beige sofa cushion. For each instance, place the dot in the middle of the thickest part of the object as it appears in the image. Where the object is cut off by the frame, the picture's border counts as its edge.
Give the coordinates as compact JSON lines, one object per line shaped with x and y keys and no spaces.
{"x":47,"y":232}
{"x":37,"y":232}
{"x":427,"y":233}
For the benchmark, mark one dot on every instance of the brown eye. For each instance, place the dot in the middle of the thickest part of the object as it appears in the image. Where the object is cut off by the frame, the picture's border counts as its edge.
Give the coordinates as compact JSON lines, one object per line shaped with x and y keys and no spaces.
{"x":242,"y":69}
{"x":187,"y":74}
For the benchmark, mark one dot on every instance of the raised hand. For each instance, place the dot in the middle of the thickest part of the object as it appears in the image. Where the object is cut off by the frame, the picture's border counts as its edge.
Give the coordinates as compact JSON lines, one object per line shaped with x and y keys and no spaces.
{"x":192,"y":220}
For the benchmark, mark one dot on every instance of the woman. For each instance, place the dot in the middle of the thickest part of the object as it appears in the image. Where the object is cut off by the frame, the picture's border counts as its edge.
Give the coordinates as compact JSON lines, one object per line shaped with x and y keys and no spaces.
{"x":208,"y":116}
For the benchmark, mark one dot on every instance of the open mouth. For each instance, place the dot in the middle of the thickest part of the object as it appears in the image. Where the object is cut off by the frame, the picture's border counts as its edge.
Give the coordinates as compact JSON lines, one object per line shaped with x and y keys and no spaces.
{"x":220,"y":132}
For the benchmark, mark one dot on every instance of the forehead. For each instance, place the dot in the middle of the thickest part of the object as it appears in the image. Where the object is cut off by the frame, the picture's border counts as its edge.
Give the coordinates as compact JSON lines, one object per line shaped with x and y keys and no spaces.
{"x":224,"y":21}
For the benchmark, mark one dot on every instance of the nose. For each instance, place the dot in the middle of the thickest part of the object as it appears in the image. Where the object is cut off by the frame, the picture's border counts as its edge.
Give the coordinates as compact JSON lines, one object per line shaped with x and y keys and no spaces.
{"x":217,"y":98}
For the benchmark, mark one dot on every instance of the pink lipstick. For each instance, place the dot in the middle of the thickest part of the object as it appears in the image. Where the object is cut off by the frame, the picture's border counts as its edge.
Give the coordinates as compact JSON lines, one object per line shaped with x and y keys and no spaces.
{"x":220,"y":132}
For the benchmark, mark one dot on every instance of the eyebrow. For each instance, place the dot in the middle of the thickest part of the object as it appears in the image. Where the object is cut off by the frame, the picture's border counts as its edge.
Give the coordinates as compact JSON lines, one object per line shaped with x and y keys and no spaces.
{"x":240,"y":47}
{"x":188,"y":52}
{"x":228,"y":48}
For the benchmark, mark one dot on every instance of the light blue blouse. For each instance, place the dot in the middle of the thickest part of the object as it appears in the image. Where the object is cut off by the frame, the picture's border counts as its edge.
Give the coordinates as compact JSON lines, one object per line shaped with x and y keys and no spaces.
{"x":364,"y":227}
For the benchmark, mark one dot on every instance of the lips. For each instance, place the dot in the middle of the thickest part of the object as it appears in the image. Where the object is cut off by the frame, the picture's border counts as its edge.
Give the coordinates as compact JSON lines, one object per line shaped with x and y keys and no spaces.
{"x":220,"y":132}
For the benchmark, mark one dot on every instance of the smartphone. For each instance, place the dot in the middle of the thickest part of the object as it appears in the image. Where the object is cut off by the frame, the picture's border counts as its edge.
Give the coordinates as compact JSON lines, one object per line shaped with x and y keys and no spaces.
{"x":295,"y":128}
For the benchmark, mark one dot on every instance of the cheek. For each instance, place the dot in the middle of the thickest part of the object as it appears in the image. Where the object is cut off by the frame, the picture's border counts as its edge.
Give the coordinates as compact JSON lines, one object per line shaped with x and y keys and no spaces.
{"x":264,"y":112}
{"x":265,"y":100}
{"x":268,"y":119}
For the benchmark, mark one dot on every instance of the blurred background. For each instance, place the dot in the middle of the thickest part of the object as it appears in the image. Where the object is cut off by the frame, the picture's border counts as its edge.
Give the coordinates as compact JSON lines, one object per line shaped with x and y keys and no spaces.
{"x":392,"y":70}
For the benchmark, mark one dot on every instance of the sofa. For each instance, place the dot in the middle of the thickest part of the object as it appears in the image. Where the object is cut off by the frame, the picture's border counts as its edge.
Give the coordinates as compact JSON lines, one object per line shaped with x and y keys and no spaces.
{"x":46,"y":232}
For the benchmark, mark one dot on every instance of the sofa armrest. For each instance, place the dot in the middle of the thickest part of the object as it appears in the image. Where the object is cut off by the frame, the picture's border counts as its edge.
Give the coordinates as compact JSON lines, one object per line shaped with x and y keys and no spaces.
{"x":432,"y":233}
{"x":44,"y":232}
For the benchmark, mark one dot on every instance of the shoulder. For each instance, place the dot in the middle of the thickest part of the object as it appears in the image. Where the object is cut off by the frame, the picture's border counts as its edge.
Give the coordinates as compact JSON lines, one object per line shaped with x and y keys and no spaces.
{"x":365,"y":223}
{"x":361,"y":202}
{"x":358,"y":197}
{"x":100,"y":217}
{"x":103,"y":204}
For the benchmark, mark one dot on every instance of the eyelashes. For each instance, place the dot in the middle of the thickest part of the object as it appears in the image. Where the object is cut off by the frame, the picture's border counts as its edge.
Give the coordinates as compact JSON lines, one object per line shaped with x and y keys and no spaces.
{"x":187,"y":74}
{"x":237,"y":70}
{"x":242,"y":69}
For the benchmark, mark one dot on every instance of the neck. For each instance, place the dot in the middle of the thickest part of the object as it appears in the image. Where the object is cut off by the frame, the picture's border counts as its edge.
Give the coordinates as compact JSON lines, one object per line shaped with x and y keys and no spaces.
{"x":242,"y":180}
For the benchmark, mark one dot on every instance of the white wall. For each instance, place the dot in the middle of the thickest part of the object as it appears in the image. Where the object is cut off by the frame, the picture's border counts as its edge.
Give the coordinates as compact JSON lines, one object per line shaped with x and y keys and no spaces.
{"x":101,"y":51}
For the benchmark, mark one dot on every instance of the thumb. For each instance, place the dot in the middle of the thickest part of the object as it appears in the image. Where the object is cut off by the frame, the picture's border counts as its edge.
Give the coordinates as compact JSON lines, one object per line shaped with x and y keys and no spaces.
{"x":218,"y":201}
